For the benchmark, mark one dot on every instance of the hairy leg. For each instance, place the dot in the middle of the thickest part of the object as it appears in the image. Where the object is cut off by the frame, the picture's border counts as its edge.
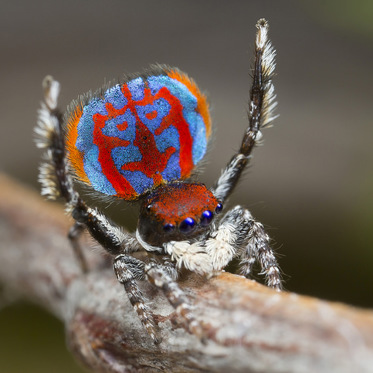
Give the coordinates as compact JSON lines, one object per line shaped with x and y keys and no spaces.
{"x":129,"y":269}
{"x":161,"y":276}
{"x":260,"y":115}
{"x":74,"y":234}
{"x":258,"y":246}
{"x":57,"y":182}
{"x":239,"y":234}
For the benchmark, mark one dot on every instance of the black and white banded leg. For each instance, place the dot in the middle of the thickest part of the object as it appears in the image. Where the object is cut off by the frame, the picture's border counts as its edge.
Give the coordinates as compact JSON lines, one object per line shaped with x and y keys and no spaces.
{"x":162,"y":277}
{"x":257,"y":248}
{"x":262,"y":104}
{"x":57,"y":182}
{"x":53,"y":172}
{"x":129,"y":269}
{"x":260,"y":115}
{"x":240,"y":235}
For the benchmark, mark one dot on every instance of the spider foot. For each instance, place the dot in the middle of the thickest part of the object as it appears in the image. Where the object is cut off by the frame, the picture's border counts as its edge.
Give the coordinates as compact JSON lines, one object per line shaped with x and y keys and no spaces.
{"x":159,"y":277}
{"x":74,"y":233}
{"x":128,"y":270}
{"x":259,"y":247}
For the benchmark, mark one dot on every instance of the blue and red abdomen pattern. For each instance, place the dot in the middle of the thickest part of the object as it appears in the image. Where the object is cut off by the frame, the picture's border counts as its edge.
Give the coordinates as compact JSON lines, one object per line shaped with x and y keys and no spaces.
{"x":140,"y":134}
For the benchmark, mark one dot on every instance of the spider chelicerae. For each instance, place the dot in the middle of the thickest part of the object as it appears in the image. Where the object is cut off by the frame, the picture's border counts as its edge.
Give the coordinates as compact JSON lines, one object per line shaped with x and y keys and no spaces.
{"x":140,"y":140}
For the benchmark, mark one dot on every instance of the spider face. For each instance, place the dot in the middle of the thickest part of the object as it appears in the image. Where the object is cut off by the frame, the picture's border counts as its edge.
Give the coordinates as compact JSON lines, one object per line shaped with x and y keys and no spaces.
{"x":176,"y":212}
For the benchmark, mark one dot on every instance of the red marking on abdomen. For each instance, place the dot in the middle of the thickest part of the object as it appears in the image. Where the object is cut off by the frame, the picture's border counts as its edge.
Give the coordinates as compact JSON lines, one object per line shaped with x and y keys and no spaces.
{"x":153,"y":162}
{"x":176,"y":119}
{"x":151,"y":115}
{"x":105,"y":145}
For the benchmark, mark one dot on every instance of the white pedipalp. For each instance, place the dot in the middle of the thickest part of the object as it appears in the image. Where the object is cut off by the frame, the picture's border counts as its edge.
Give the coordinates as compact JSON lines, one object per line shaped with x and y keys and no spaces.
{"x":220,"y":246}
{"x":192,"y":256}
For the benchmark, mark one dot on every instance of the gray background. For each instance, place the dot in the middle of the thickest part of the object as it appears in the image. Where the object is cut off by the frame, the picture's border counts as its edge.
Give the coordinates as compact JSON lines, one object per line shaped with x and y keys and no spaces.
{"x":310,"y":184}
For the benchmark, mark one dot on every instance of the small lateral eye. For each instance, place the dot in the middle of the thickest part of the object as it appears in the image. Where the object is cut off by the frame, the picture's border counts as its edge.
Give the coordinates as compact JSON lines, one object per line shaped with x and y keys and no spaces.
{"x":148,"y":208}
{"x":187,"y":225}
{"x":168,"y":228}
{"x":206,"y":218}
{"x":218,"y":208}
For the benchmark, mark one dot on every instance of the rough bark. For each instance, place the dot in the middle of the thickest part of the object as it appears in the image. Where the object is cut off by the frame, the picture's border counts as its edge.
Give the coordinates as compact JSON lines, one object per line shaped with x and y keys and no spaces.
{"x":250,"y":328}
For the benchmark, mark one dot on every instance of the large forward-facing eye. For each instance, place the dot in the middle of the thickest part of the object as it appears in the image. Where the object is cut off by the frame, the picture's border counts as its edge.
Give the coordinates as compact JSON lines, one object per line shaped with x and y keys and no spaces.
{"x":168,"y":228}
{"x":218,"y":208}
{"x":206,"y":218}
{"x":187,"y":225}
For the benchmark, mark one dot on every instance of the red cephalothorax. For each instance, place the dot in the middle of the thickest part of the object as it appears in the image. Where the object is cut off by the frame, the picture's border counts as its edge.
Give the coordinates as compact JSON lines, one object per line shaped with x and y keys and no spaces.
{"x":177,"y":211}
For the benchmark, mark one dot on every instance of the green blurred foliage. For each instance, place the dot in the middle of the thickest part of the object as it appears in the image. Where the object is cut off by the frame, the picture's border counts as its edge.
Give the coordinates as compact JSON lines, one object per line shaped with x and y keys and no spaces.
{"x":31,"y":340}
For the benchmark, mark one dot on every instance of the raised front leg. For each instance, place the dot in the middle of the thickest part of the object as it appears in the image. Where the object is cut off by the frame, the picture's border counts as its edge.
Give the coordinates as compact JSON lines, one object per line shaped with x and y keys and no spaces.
{"x":57,"y":182}
{"x":260,"y":111}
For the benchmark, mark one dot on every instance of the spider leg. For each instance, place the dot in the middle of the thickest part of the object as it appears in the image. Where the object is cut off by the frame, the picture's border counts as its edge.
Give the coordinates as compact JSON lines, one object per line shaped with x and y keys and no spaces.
{"x":57,"y":182}
{"x":258,"y":247}
{"x":167,"y":265}
{"x":228,"y":239}
{"x":159,"y":275}
{"x":74,"y":234}
{"x":239,"y":234}
{"x":129,"y":269}
{"x":260,"y":111}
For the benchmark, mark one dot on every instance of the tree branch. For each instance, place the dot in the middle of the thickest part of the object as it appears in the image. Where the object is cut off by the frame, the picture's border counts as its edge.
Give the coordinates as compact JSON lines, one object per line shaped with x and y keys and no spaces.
{"x":250,"y":328}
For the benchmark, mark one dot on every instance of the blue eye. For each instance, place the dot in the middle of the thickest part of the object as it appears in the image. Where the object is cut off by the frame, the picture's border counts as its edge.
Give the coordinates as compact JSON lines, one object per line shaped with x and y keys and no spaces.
{"x":168,"y":227}
{"x":206,"y":218}
{"x":218,"y":208}
{"x":187,"y":225}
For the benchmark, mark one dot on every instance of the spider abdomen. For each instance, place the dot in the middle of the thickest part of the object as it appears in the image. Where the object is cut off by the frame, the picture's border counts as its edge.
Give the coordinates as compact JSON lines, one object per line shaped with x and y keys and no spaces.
{"x":150,"y":130}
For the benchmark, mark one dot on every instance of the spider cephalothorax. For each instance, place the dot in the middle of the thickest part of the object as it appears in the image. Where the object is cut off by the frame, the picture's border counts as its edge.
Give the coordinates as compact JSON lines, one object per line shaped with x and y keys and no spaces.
{"x":176,"y":212}
{"x":140,"y":140}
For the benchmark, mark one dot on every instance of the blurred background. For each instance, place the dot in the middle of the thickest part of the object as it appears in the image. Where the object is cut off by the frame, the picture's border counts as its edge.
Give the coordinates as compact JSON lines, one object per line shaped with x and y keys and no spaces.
{"x":311,"y":183}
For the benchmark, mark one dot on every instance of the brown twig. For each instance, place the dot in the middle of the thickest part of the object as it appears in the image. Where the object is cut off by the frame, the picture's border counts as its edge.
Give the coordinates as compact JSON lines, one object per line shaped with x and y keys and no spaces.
{"x":250,"y":328}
